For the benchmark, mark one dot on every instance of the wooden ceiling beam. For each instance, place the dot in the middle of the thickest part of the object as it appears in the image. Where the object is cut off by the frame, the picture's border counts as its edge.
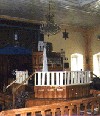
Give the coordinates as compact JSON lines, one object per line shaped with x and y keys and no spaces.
{"x":19,"y":19}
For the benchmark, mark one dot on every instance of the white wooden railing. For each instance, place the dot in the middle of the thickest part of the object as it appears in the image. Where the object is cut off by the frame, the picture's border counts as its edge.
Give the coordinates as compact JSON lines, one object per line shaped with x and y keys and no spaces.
{"x":61,"y":78}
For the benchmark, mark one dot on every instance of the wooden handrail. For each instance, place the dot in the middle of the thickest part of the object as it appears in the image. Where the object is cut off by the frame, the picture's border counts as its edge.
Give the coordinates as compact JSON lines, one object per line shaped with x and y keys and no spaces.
{"x":52,"y":107}
{"x":15,"y":89}
{"x":12,"y":83}
{"x":24,"y":81}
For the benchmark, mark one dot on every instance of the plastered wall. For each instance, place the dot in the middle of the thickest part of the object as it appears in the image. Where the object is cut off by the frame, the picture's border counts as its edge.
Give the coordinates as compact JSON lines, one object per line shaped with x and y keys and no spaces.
{"x":81,"y":40}
{"x":73,"y":44}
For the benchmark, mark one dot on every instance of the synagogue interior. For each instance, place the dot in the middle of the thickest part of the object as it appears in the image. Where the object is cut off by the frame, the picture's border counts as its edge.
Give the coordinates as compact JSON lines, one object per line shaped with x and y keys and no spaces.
{"x":49,"y":57}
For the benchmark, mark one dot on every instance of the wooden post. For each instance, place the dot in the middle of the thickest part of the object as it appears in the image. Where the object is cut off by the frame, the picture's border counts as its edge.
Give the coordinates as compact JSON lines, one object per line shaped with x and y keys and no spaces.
{"x":61,"y":78}
{"x":92,"y":108}
{"x":43,"y":113}
{"x":23,"y":114}
{"x":57,"y":79}
{"x":70,"y":110}
{"x":68,"y":78}
{"x":85,"y":110}
{"x":52,"y":78}
{"x":53,"y":112}
{"x":33,"y":113}
{"x":99,"y":107}
{"x":78,"y":109}
{"x":62,"y":111}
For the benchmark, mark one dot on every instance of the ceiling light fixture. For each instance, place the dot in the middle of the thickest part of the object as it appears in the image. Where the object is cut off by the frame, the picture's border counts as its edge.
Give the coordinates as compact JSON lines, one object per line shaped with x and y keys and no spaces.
{"x":50,"y":28}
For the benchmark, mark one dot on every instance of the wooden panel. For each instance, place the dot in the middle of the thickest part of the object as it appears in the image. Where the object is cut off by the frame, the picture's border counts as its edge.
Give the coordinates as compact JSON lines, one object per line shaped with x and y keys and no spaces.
{"x":66,"y":92}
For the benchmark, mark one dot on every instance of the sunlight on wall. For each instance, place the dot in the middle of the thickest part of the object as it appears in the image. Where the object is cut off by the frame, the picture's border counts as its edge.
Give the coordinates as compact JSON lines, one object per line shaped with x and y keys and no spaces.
{"x":76,"y":62}
{"x":96,"y":64}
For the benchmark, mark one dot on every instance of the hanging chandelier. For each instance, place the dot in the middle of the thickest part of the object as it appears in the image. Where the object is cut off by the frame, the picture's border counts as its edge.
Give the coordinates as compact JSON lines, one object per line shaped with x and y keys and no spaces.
{"x":50,"y":27}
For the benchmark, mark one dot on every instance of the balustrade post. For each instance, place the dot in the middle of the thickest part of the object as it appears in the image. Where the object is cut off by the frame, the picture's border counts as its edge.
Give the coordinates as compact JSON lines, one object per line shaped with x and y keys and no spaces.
{"x":78,"y":109}
{"x":70,"y":110}
{"x":57,"y":78}
{"x":48,"y":113}
{"x":43,"y":113}
{"x":99,"y":107}
{"x":72,"y":77}
{"x":24,"y":114}
{"x":39,"y":78}
{"x":82,"y":76}
{"x":33,"y":113}
{"x":75,"y":77}
{"x":78,"y":77}
{"x":53,"y":112}
{"x":85,"y":78}
{"x":61,"y":78}
{"x":21,"y":76}
{"x":52,"y":78}
{"x":26,"y":76}
{"x":43,"y":78}
{"x":68,"y":77}
{"x":65,"y":77}
{"x":62,"y":111}
{"x":88,"y":76}
{"x":85,"y":110}
{"x":48,"y":78}
{"x":92,"y":108}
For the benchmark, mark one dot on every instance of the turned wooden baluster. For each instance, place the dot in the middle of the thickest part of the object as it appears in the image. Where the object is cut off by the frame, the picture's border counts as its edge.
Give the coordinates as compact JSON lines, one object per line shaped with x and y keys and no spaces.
{"x":53,"y":112}
{"x":23,"y":114}
{"x":62,"y":111}
{"x":92,"y":108}
{"x":43,"y":113}
{"x":70,"y":110}
{"x":85,"y":110}
{"x":78,"y":109}
{"x":33,"y":113}
{"x":99,"y":107}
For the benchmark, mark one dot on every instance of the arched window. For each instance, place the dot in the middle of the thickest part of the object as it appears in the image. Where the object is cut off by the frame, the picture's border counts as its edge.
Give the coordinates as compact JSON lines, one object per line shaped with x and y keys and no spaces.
{"x":76,"y":62}
{"x":96,"y":64}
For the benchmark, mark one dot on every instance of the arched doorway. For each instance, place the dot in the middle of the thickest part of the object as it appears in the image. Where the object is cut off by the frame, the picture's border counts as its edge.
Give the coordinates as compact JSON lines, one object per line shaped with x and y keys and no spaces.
{"x":76,"y":62}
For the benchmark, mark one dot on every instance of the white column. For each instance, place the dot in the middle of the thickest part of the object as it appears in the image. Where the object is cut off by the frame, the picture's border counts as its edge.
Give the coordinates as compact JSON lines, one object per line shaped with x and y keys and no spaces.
{"x":68,"y":77}
{"x":43,"y":78}
{"x":85,"y":78}
{"x":72,"y":77}
{"x":39,"y":78}
{"x":65,"y":77}
{"x":21,"y":76}
{"x":26,"y":74}
{"x":78,"y":77}
{"x":48,"y":78}
{"x":35,"y":79}
{"x":82,"y":76}
{"x":88,"y":78}
{"x":61,"y":78}
{"x":52,"y":78}
{"x":75,"y":77}
{"x":17,"y":76}
{"x":57,"y":78}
